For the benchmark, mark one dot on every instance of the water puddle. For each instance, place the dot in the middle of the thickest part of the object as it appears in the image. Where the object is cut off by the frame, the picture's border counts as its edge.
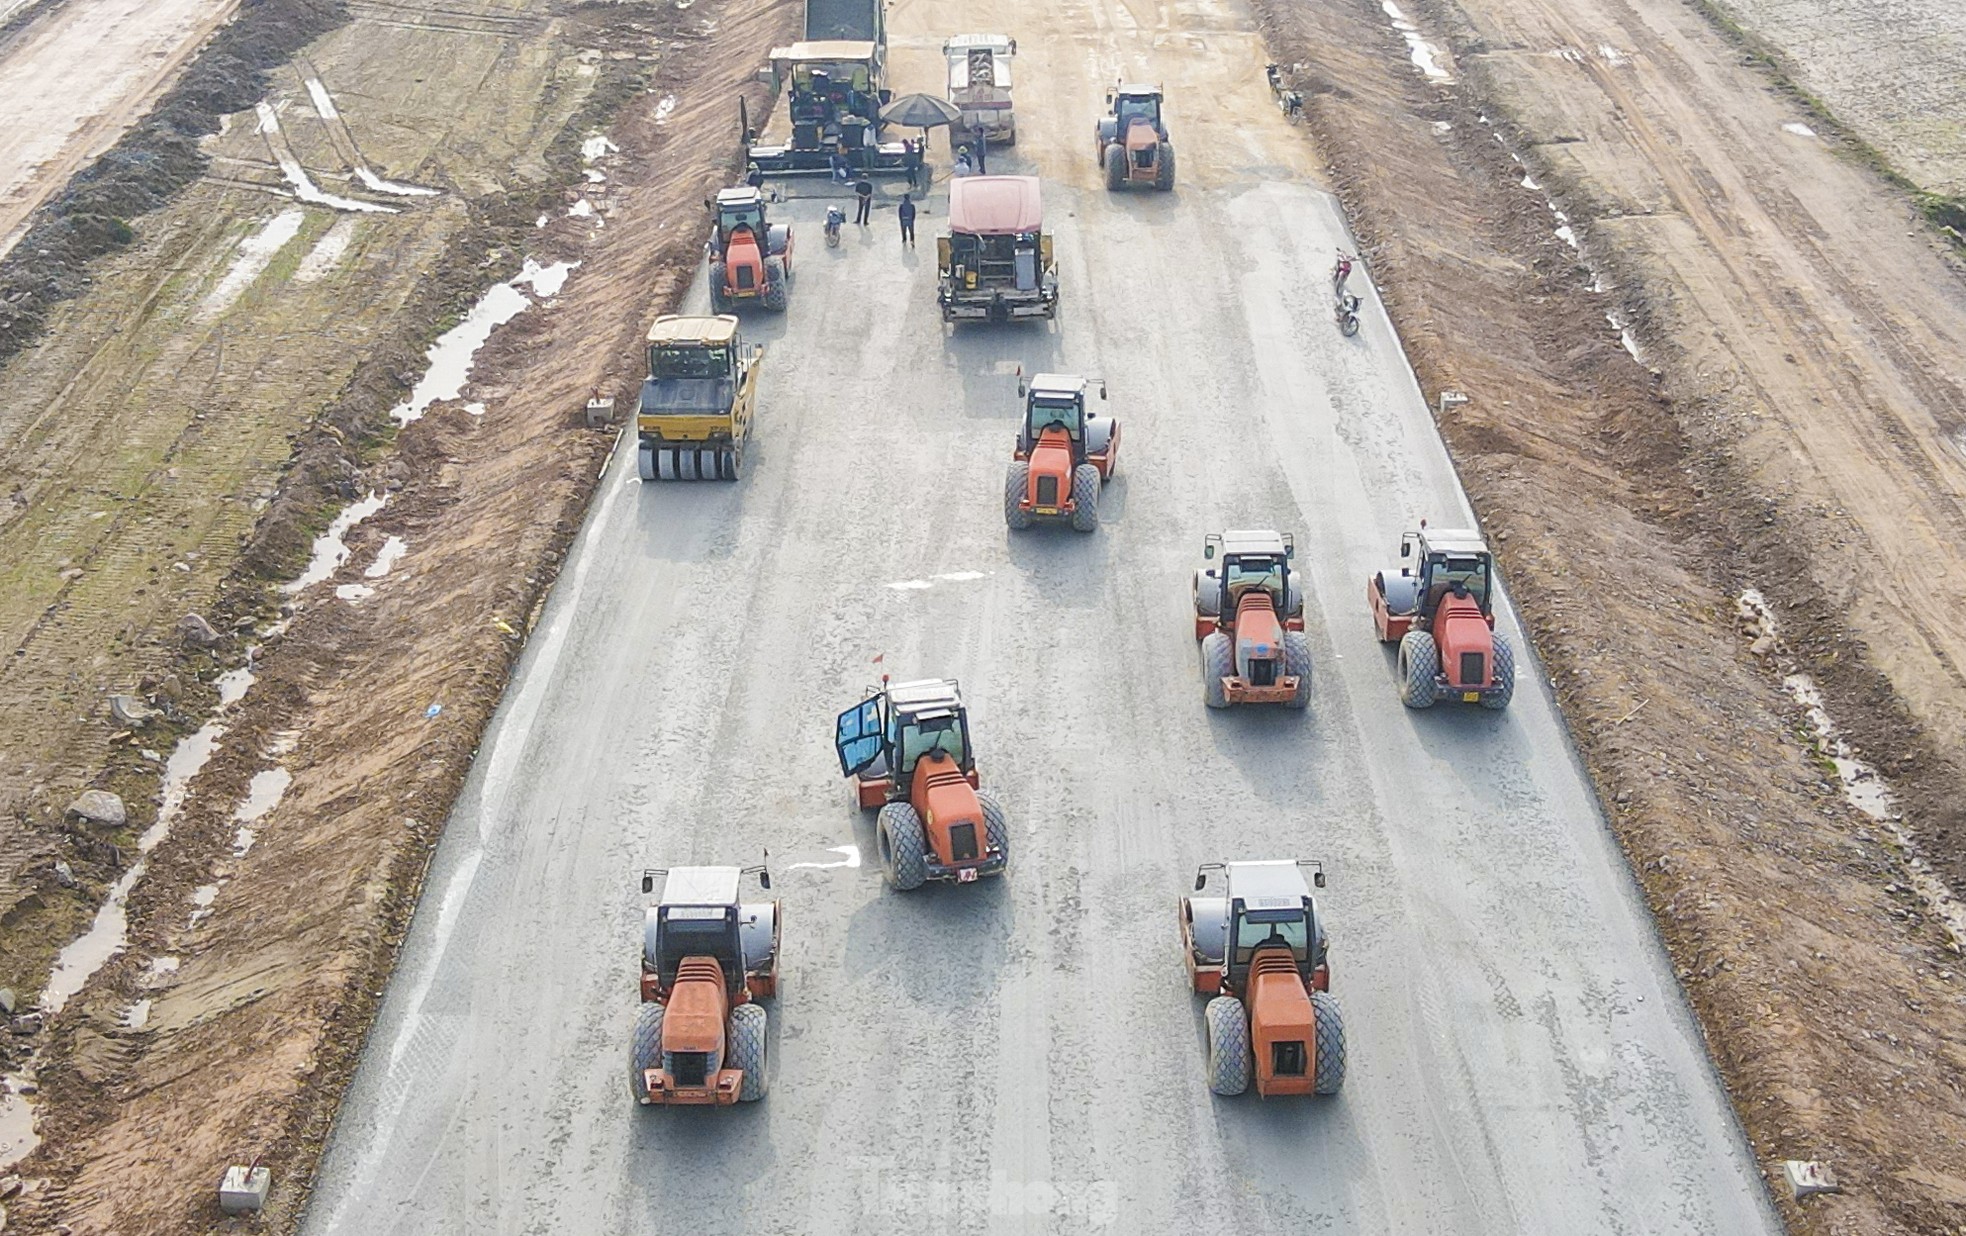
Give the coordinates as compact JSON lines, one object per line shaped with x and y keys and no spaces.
{"x":233,"y":685}
{"x":263,"y":794}
{"x":354,"y":594}
{"x":242,"y":842}
{"x":1863,"y":787}
{"x":597,"y":147}
{"x":452,"y":356}
{"x":849,"y":857}
{"x":667,"y":107}
{"x":303,"y":185}
{"x":256,"y":253}
{"x":160,"y":968}
{"x":1799,"y":130}
{"x":387,"y":557}
{"x":17,"y":1136}
{"x":582,"y":209}
{"x":1612,"y":56}
{"x":327,"y":251}
{"x":331,"y":547}
{"x":202,"y":897}
{"x":106,"y":937}
{"x":137,"y":1016}
{"x":1424,"y":55}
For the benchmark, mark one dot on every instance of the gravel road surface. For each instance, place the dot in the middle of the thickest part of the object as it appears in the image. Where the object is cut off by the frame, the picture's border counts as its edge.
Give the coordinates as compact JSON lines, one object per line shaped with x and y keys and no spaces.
{"x":1025,"y":1055}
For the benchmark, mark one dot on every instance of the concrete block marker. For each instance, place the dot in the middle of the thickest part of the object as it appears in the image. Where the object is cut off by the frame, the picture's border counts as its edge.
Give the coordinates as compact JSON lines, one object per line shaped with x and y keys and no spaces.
{"x":243,"y":1190}
{"x":1807,"y":1178}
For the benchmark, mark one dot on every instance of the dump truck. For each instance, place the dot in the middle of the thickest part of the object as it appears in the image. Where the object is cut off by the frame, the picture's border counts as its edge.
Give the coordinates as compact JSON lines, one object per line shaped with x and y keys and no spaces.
{"x":906,"y":749}
{"x":707,"y":960}
{"x":1259,"y":952}
{"x":864,"y":20}
{"x":979,"y":84}
{"x":1130,"y":142}
{"x":1249,"y":617}
{"x":694,"y":416}
{"x":1441,"y":610}
{"x":996,"y":262}
{"x":1063,"y":454}
{"x":834,"y":90}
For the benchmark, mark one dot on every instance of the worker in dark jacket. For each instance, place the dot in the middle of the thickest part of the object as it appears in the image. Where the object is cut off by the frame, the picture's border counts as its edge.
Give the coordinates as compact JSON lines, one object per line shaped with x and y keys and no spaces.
{"x":864,"y":190}
{"x":906,"y":213}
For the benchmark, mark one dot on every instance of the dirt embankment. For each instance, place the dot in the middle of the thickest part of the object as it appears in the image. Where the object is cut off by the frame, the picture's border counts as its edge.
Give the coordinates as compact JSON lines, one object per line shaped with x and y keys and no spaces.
{"x":250,"y":1039}
{"x":1831,"y":1005}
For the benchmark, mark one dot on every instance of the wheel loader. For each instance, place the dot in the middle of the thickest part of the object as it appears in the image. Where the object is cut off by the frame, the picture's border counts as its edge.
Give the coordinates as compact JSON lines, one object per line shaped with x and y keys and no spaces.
{"x":1441,"y":610}
{"x":1249,"y":617}
{"x":694,"y":416}
{"x":707,"y":960}
{"x":1063,"y":455}
{"x":750,"y":257}
{"x":906,"y":749}
{"x":1130,"y":141}
{"x":1260,"y":953}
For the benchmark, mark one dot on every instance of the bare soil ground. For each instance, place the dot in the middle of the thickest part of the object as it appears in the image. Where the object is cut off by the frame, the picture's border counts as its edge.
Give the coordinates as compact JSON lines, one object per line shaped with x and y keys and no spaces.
{"x":1788,"y":431}
{"x":213,"y":416}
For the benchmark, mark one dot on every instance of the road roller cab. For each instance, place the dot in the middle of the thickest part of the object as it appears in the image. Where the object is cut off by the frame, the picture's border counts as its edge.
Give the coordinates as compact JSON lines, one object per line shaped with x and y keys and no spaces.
{"x":707,"y":959}
{"x":750,"y":257}
{"x":1440,"y":607}
{"x":906,"y":749}
{"x":694,"y":416}
{"x":1063,"y":454}
{"x":1249,"y":617}
{"x":1260,"y":953}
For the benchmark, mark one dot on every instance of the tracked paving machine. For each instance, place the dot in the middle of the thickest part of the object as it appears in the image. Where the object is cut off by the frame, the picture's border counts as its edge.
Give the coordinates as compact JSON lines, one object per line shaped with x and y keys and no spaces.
{"x":707,"y":960}
{"x":750,"y":257}
{"x":1441,"y":609}
{"x":834,"y":90}
{"x":1260,"y":952}
{"x":1063,"y":454}
{"x":1249,"y":617}
{"x":906,"y":748}
{"x":694,"y":416}
{"x":1130,"y":141}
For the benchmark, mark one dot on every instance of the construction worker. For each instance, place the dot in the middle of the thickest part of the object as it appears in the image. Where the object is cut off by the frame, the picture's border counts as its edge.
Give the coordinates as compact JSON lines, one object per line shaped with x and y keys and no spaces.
{"x":755,"y":177}
{"x":864,"y":190}
{"x":911,"y":159}
{"x":906,"y":213}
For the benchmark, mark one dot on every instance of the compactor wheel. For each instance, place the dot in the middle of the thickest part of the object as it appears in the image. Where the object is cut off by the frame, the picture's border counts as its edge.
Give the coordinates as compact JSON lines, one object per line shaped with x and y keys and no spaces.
{"x":1164,"y":168}
{"x":1016,"y":483}
{"x":1330,"y":1064}
{"x":1504,"y":691}
{"x":1419,"y":670}
{"x":777,"y":293}
{"x":996,"y":824}
{"x":899,"y":832}
{"x":1297,"y":661}
{"x":1115,"y":166}
{"x":748,"y":1024}
{"x":644,"y":1051}
{"x":1085,"y":497}
{"x":1217,"y":662}
{"x":1228,"y":1046}
{"x":719,"y":303}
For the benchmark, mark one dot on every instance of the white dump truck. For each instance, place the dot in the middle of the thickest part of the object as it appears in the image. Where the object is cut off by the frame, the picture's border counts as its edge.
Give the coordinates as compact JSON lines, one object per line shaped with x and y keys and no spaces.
{"x":979,"y":84}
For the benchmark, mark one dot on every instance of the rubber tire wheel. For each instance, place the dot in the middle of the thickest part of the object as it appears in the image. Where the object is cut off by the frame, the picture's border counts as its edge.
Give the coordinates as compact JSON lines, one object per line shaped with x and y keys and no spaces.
{"x":718,"y":302}
{"x":1016,"y":483}
{"x":1208,"y":595}
{"x":748,"y":1024}
{"x":1419,"y":669}
{"x":645,"y":461}
{"x":644,"y":1051}
{"x":778,"y":293}
{"x":730,"y":462}
{"x":1164,"y":168}
{"x":1297,"y":660}
{"x":1115,"y":166}
{"x":1330,"y":1065}
{"x":1085,"y":498}
{"x":899,"y":832}
{"x":1217,"y":663}
{"x":1347,"y":324}
{"x":1228,"y":1046}
{"x":996,"y":825}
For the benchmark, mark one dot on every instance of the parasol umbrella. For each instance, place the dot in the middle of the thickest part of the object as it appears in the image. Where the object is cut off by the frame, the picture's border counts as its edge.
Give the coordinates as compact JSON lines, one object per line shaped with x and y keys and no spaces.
{"x":920,"y":111}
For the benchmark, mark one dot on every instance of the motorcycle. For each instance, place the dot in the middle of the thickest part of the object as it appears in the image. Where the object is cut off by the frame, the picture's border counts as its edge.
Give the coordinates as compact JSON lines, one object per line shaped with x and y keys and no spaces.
{"x":1345,"y":305}
{"x":835,"y":217}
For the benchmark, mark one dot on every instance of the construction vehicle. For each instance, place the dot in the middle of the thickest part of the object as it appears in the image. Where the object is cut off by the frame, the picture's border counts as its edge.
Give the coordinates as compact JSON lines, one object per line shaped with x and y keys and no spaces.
{"x":1249,"y":617}
{"x":1131,"y":142}
{"x":979,"y":84}
{"x":750,"y":257}
{"x":1442,"y":612}
{"x":707,"y":959}
{"x":1063,"y":455}
{"x":1260,"y":954}
{"x":694,"y":416}
{"x":864,"y":20}
{"x":906,"y":748}
{"x":996,"y":262}
{"x":833,"y":92}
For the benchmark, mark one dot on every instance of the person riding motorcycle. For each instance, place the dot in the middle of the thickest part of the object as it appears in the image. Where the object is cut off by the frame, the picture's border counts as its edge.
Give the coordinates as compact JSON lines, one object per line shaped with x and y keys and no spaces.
{"x":835,"y":218}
